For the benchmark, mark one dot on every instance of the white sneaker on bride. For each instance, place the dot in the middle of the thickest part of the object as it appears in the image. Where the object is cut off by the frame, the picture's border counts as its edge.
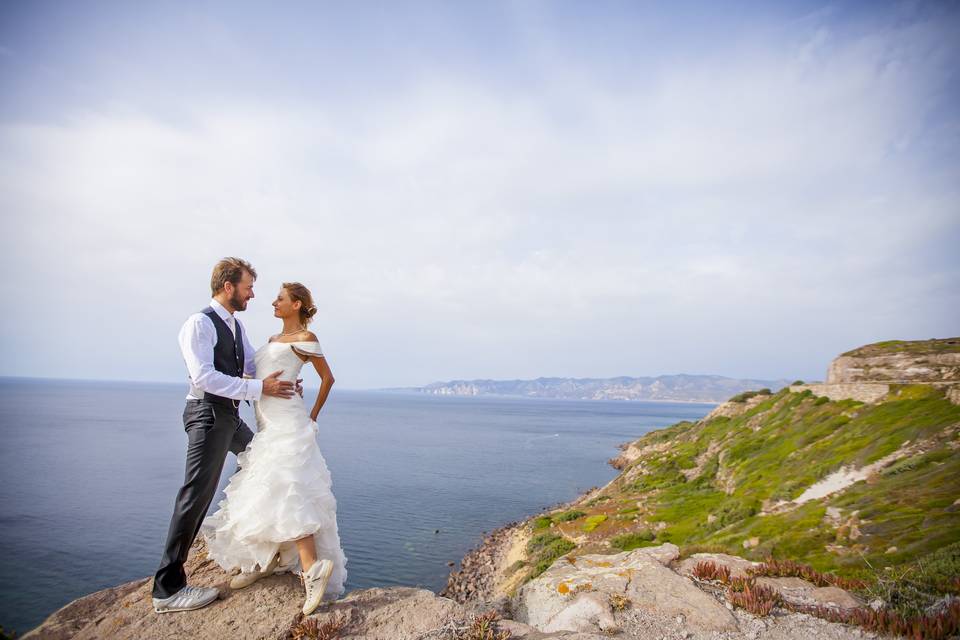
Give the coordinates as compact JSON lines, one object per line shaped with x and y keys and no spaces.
{"x":315,"y":582}
{"x":242,"y":580}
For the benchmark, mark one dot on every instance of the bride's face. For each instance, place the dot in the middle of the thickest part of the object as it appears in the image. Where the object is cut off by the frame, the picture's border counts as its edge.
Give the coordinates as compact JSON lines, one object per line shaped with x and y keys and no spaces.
{"x":284,"y":306}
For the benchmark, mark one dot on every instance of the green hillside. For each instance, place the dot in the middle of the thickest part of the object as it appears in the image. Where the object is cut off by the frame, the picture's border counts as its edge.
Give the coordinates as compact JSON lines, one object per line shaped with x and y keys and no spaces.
{"x":726,"y":483}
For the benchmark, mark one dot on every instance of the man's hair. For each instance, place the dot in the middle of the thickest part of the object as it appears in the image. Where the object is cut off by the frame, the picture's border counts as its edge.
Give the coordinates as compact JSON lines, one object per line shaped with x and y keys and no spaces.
{"x":229,"y":270}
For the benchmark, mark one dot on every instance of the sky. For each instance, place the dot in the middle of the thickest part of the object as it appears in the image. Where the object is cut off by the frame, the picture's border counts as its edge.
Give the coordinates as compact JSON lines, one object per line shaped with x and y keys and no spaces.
{"x":481,"y":190}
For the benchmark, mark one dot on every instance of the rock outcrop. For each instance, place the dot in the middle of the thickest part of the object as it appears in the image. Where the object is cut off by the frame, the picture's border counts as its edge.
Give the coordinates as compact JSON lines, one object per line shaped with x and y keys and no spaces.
{"x":580,"y":594}
{"x":897,"y":361}
{"x":866,"y":374}
{"x":267,"y":609}
{"x":633,"y":594}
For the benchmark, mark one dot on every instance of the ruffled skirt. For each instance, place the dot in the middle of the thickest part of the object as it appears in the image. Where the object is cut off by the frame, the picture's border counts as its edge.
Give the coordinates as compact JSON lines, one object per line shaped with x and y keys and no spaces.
{"x":281,"y":492}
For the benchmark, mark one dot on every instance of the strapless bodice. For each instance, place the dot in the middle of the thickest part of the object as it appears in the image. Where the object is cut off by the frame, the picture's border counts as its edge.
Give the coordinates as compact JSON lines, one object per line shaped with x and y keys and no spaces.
{"x":276,"y":356}
{"x":282,"y":356}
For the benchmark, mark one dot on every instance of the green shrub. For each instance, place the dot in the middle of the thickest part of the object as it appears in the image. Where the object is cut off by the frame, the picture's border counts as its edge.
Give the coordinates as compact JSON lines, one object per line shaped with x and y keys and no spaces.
{"x":542,"y":522}
{"x":544,"y":549}
{"x":940,"y":570}
{"x":537,"y":543}
{"x":746,"y":395}
{"x":568,"y":516}
{"x":628,"y":541}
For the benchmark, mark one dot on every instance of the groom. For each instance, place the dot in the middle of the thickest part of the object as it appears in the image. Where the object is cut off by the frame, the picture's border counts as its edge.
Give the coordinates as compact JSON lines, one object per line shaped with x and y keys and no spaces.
{"x":217,"y":354}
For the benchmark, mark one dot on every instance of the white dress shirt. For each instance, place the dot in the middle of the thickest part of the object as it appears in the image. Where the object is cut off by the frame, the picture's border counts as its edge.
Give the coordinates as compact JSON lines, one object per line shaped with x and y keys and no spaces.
{"x":198,"y":337}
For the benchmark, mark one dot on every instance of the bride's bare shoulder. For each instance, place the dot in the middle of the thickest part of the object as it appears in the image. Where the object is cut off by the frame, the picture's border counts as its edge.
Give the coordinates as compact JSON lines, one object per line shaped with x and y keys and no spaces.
{"x":308,"y":336}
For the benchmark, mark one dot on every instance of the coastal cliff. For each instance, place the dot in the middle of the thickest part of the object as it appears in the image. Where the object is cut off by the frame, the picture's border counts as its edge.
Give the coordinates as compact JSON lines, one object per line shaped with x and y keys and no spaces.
{"x":858,"y":478}
{"x":813,"y":512}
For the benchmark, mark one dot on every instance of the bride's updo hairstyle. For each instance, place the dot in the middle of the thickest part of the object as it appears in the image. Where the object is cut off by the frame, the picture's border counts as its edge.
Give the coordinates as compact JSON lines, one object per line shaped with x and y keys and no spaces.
{"x":297,"y":291}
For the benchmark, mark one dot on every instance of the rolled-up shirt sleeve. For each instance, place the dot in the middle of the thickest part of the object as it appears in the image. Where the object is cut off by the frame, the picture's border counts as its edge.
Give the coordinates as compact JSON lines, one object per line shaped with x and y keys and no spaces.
{"x":197,"y":339}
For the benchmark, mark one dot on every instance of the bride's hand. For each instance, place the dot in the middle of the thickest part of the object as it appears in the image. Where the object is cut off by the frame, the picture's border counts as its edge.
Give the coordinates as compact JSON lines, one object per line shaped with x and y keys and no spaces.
{"x":299,"y":387}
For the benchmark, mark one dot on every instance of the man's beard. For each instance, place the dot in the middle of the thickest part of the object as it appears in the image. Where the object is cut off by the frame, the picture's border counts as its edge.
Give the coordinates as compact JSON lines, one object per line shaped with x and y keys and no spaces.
{"x":238,"y":303}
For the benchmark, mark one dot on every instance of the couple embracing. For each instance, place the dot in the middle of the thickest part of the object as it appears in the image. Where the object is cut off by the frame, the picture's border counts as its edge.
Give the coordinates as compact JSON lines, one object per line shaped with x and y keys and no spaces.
{"x":279,"y":513}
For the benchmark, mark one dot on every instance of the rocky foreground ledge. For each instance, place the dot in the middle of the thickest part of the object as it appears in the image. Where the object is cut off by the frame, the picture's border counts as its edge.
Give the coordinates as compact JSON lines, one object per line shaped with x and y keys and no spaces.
{"x":643,"y":593}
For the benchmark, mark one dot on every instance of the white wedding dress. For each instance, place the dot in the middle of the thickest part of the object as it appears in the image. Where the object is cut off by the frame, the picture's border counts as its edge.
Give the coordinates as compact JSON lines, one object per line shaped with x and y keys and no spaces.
{"x":281,"y":491}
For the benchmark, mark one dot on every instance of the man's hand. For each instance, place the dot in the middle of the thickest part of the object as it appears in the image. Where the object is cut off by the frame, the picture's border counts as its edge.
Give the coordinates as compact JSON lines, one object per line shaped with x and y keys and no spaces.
{"x":277,"y":388}
{"x":299,"y":387}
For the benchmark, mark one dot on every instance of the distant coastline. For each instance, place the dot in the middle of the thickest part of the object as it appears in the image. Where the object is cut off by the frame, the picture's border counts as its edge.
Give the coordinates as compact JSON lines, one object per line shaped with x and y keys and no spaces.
{"x":683,"y":388}
{"x":504,"y":396}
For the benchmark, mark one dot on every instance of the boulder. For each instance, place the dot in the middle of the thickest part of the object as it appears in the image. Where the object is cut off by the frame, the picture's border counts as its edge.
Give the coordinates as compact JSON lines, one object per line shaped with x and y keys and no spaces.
{"x":801,"y":592}
{"x":664,"y":553}
{"x":574,"y":593}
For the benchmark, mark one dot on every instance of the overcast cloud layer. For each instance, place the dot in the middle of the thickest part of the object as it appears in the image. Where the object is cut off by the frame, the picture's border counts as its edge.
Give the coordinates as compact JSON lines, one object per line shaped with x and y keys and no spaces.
{"x":504,"y":191}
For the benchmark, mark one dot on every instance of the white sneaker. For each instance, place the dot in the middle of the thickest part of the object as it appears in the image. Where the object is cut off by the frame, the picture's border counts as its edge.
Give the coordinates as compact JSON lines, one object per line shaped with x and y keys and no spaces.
{"x":315,"y":582}
{"x":246,"y":579}
{"x":186,"y":599}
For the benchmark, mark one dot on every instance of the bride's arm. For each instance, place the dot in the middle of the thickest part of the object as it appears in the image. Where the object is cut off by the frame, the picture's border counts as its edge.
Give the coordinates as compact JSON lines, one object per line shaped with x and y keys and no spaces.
{"x":326,"y":382}
{"x":323,"y":369}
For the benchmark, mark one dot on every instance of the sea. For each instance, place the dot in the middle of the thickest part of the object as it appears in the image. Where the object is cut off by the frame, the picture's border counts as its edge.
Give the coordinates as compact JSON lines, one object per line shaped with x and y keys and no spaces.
{"x":89,"y":472}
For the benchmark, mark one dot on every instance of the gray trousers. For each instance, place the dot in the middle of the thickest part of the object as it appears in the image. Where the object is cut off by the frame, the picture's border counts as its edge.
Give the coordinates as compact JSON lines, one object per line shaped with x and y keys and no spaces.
{"x":212,"y":430}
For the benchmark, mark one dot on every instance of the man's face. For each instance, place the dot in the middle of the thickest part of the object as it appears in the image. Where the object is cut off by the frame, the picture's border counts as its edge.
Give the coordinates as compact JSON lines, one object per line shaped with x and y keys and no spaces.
{"x":241,"y":293}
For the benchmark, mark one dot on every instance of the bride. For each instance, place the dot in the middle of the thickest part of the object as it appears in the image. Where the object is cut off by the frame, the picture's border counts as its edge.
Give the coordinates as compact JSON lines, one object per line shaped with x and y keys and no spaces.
{"x":279,"y":513}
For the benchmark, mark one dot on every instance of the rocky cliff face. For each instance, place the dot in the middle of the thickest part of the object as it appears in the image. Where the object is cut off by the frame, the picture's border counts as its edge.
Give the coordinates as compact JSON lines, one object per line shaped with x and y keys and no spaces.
{"x":867,"y":374}
{"x":897,"y":361}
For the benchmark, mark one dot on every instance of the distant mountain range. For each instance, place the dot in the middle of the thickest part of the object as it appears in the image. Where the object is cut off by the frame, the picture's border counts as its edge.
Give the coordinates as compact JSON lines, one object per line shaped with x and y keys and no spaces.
{"x":675,"y":388}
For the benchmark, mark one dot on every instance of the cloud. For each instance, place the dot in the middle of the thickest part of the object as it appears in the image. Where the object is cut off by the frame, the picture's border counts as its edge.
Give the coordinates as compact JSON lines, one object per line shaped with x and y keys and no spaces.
{"x":752,"y":213}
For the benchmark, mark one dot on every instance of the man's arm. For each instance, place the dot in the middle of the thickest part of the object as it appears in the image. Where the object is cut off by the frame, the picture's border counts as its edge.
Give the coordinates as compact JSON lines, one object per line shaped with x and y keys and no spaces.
{"x":197,"y":339}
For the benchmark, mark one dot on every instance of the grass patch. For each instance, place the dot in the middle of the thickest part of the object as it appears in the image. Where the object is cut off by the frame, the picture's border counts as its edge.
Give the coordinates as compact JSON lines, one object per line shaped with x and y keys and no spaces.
{"x":593,"y":522}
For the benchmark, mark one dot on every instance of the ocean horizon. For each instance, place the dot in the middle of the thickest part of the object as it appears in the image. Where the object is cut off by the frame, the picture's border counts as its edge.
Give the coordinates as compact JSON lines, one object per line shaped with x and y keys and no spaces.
{"x":90,"y":469}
